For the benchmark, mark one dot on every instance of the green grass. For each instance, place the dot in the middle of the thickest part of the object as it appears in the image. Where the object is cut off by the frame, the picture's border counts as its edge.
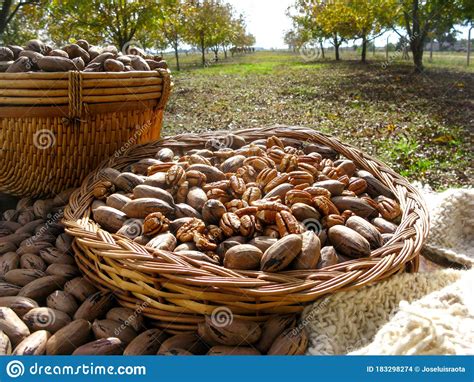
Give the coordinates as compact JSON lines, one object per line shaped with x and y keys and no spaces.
{"x":417,"y":124}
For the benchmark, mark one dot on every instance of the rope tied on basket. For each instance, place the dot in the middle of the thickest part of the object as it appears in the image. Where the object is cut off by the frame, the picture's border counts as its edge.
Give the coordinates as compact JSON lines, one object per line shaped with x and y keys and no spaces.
{"x":166,"y":86}
{"x":75,"y":99}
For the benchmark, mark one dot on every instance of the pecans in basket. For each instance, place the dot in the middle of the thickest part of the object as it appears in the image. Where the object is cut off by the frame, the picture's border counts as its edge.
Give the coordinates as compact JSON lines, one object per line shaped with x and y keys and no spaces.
{"x":314,"y":210}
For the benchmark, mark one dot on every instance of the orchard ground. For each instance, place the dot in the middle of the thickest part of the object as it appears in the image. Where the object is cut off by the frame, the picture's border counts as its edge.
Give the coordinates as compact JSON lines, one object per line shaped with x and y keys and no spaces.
{"x":418,"y":124}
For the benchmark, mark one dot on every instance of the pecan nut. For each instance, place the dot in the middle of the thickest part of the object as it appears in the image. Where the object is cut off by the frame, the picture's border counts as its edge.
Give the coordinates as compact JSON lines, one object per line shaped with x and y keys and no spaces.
{"x":287,"y":223}
{"x":288,"y":163}
{"x":274,"y":141}
{"x":175,"y":176}
{"x":186,"y":232}
{"x":251,"y":194}
{"x":196,"y":178}
{"x":155,"y":223}
{"x":357,"y":185}
{"x":325,"y":206}
{"x":203,"y":243}
{"x":297,"y":196}
{"x":237,"y":186}
{"x":230,"y":224}
{"x":388,"y":208}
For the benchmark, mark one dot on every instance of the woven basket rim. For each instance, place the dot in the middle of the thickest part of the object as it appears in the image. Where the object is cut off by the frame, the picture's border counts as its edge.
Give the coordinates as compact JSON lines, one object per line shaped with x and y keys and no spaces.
{"x":64,"y":75}
{"x":119,"y":264}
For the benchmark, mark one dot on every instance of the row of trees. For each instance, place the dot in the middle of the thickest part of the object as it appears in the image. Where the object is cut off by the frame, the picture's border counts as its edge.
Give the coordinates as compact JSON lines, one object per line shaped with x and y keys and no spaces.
{"x":342,"y":20}
{"x":153,"y":24}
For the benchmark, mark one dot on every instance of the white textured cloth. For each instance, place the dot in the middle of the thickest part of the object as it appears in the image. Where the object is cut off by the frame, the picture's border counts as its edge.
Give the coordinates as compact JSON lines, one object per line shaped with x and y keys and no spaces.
{"x":440,"y":323}
{"x":347,"y":321}
{"x":424,"y":313}
{"x":452,"y":225}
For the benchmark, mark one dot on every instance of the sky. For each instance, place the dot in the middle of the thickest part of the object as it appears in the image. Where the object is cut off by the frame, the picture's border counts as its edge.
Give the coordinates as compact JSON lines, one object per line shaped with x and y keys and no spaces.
{"x":267,"y":21}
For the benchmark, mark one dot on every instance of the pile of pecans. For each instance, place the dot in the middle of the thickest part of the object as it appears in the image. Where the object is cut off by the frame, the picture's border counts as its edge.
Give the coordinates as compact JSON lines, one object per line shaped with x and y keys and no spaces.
{"x":46,"y":307}
{"x":270,"y":205}
{"x":37,"y":56}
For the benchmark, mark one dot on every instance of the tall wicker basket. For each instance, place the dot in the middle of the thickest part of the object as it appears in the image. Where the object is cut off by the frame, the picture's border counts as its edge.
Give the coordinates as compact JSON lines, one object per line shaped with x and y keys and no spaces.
{"x":55,"y":128}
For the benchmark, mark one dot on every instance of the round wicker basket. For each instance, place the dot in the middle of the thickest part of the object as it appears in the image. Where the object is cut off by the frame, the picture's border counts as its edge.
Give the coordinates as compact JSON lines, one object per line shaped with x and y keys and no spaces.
{"x":177,"y":293}
{"x":55,"y":128}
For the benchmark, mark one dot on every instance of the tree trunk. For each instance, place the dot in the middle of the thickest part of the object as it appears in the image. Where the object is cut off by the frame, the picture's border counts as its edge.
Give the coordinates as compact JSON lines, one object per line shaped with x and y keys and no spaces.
{"x":322,"y":49}
{"x":418,"y":58}
{"x":469,"y":46}
{"x":417,"y":38}
{"x":216,"y":54}
{"x":203,"y":50}
{"x":431,"y":49}
{"x":336,"y":43}
{"x":4,"y":11}
{"x":176,"y":55}
{"x":364,"y":49}
{"x":225,"y":52}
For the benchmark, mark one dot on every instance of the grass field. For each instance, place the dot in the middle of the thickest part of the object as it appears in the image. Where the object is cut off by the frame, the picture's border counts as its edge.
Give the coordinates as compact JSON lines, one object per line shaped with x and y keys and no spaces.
{"x":417,"y":124}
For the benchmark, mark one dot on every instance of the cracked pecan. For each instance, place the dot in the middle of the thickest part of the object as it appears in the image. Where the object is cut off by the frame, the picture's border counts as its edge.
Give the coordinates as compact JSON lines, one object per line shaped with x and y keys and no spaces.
{"x":198,"y":159}
{"x":275,"y":182}
{"x":237,"y":186}
{"x":297,"y":196}
{"x":300,"y":177}
{"x":287,"y":223}
{"x":357,"y":185}
{"x":266,"y":176}
{"x":274,"y":141}
{"x":182,"y":192}
{"x":325,"y":206}
{"x":288,"y":163}
{"x":230,"y":224}
{"x":251,"y":194}
{"x":247,"y":173}
{"x":175,"y":176}
{"x":186,"y":232}
{"x":203,"y":243}
{"x":196,"y":178}
{"x":155,"y":223}
{"x":218,"y":194}
{"x":388,"y":208}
